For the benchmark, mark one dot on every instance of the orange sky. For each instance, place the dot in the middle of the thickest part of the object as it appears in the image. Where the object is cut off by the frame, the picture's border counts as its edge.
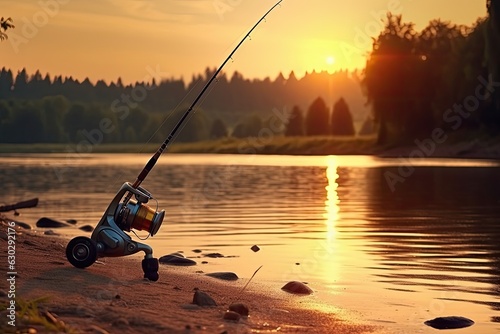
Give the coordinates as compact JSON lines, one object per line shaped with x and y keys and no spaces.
{"x":138,"y":39}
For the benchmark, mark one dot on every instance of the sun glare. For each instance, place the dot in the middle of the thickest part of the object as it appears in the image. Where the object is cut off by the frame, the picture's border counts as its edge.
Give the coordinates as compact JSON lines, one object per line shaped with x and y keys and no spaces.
{"x":330,"y":60}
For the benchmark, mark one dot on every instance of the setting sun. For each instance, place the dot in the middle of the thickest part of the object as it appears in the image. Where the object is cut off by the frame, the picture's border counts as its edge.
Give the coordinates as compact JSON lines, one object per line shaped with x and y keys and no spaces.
{"x":330,"y":60}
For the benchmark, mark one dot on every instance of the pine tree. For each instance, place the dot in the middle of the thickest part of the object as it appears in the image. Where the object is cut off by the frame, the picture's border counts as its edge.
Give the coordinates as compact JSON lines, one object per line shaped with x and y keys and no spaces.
{"x":295,"y":126}
{"x":342,"y":124}
{"x":317,"y":119}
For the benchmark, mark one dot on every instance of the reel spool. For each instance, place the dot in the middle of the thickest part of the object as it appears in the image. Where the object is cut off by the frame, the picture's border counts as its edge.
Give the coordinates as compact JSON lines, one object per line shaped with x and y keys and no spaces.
{"x":140,"y":217}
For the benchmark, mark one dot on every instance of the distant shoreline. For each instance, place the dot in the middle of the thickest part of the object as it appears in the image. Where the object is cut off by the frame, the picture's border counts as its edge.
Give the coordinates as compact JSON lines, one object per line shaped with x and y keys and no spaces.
{"x":474,"y":149}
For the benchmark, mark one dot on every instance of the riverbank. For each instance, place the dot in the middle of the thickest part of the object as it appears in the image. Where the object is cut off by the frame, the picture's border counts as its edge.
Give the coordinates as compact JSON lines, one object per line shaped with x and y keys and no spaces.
{"x":454,"y":147}
{"x":111,"y":296}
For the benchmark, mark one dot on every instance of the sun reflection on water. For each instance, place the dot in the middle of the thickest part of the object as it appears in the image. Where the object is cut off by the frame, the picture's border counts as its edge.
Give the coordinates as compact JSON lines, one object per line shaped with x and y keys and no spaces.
{"x":332,"y":202}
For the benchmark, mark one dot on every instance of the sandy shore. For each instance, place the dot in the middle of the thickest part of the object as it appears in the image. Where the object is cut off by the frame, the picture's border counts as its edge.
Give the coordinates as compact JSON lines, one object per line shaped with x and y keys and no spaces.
{"x":112,"y":297}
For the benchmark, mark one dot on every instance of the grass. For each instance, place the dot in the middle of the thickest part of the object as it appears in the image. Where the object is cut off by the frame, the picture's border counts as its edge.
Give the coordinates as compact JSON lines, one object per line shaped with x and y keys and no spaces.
{"x":30,"y":315}
{"x":321,"y":145}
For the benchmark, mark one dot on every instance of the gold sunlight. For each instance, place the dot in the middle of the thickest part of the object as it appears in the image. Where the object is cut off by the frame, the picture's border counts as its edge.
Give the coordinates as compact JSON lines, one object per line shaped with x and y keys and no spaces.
{"x":332,"y":199}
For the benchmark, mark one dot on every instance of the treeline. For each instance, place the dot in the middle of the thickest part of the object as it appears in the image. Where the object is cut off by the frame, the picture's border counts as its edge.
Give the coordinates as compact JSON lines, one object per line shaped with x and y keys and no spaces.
{"x":40,"y":108}
{"x":445,"y":77}
{"x":230,"y":101}
{"x":55,"y":119}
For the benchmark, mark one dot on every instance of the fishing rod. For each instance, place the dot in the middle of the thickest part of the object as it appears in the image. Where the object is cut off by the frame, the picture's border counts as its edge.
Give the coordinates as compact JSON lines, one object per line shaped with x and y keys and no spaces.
{"x":151,"y":163}
{"x":124,"y":214}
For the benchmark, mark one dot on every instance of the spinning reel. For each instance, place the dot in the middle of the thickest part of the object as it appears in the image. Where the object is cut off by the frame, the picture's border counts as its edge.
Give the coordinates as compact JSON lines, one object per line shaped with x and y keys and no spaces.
{"x":109,"y":237}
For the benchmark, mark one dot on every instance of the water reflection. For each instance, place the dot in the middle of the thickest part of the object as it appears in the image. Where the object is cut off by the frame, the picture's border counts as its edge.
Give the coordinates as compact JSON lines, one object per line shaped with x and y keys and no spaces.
{"x":332,"y":203}
{"x":438,"y":231}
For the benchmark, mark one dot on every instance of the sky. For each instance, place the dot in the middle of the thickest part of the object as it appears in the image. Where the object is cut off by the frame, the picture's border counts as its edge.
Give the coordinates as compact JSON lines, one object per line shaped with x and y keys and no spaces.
{"x":138,"y":40}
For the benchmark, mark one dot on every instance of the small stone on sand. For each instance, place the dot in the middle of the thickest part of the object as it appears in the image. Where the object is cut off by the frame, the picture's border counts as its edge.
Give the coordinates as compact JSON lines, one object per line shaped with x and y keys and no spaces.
{"x":297,"y":288}
{"x":175,"y":260}
{"x":453,"y":322}
{"x":227,"y":276}
{"x":232,"y":316}
{"x":87,"y":228}
{"x":239,"y":308}
{"x":255,"y":248}
{"x":202,"y":299}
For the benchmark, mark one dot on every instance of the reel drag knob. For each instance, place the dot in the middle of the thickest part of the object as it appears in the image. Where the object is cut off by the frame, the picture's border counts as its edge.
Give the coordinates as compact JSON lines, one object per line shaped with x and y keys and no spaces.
{"x":150,"y":267}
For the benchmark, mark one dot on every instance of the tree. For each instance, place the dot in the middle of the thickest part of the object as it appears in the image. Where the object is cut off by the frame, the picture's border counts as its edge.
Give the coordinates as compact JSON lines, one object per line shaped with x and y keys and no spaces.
{"x":492,"y":49}
{"x":317,"y":119}
{"x":218,"y":129}
{"x":388,"y":77}
{"x":342,"y":124}
{"x":250,"y":127}
{"x":4,"y":25}
{"x":295,"y":126}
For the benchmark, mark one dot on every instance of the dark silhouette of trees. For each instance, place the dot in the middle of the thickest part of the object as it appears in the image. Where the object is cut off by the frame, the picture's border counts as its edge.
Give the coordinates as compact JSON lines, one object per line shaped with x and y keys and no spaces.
{"x":218,"y":129}
{"x":317,"y":119}
{"x":417,"y":81}
{"x":249,"y":127}
{"x":389,"y":77}
{"x":5,"y":24}
{"x":492,"y":53}
{"x":342,"y":124}
{"x":368,"y":127}
{"x":295,"y":126}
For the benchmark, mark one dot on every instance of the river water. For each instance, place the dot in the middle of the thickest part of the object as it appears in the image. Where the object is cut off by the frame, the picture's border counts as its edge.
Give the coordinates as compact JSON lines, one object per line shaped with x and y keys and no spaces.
{"x":385,"y":241}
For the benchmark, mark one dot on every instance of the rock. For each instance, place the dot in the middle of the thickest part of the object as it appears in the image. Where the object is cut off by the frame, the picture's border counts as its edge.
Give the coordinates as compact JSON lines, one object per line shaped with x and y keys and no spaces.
{"x":48,"y":222}
{"x":202,"y":299}
{"x":227,"y":276}
{"x":87,"y":228}
{"x":202,"y":262}
{"x":452,"y":322}
{"x":23,"y":225}
{"x":175,"y":260}
{"x":239,"y":308}
{"x":196,"y":250}
{"x":213,"y":255}
{"x":50,"y":232}
{"x":71,"y":221}
{"x":297,"y":288}
{"x":232,"y":316}
{"x":255,"y":248}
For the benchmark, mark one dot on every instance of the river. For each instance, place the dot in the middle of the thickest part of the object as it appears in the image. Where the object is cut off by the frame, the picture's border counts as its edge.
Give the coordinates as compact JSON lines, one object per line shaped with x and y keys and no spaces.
{"x":388,"y":241}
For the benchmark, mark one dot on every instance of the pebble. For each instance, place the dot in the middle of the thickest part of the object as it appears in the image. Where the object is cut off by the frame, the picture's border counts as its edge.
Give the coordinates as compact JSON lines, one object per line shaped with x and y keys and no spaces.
{"x":227,"y":276}
{"x":50,"y":232}
{"x":23,"y":225}
{"x":232,"y":316}
{"x":453,"y":322}
{"x":202,"y":299}
{"x":213,"y":255}
{"x":175,"y":260}
{"x":196,"y":250}
{"x":255,"y":248}
{"x":48,"y":222}
{"x":297,"y":288}
{"x":87,"y":228}
{"x":239,"y":308}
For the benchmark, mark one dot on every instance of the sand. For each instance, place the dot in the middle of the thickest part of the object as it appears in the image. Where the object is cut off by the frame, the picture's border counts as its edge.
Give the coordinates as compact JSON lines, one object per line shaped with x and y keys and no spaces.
{"x":111,"y":296}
